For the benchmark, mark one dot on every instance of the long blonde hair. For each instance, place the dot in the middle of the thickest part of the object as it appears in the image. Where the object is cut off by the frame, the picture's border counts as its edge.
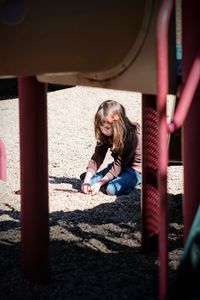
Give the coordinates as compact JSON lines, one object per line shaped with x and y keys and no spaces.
{"x":107,"y":111}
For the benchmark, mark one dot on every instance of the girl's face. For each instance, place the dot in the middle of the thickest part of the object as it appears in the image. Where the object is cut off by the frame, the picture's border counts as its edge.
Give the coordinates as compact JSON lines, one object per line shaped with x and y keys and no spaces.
{"x":106,"y":129}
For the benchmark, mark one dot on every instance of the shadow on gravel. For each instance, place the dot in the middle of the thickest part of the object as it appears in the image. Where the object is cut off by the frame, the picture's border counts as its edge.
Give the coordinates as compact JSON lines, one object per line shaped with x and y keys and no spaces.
{"x":76,"y":183}
{"x":95,"y":254}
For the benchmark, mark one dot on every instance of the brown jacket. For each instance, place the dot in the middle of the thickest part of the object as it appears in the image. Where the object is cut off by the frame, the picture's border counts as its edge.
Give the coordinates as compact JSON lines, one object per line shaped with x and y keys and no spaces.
{"x":130,"y":157}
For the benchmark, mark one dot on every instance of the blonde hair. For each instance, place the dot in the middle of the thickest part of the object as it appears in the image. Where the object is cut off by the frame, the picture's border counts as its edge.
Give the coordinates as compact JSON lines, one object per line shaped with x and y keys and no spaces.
{"x":107,"y":110}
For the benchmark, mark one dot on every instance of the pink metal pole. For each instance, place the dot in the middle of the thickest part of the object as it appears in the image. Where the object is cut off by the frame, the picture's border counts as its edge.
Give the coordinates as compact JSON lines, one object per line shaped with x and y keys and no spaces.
{"x":2,"y":161}
{"x":162,"y":90}
{"x":34,"y":179}
{"x":191,"y":128}
{"x":150,"y":201}
{"x":187,"y":95}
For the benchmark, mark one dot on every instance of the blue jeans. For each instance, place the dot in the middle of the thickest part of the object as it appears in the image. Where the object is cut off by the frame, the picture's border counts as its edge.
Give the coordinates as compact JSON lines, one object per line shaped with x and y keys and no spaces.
{"x":122,"y":184}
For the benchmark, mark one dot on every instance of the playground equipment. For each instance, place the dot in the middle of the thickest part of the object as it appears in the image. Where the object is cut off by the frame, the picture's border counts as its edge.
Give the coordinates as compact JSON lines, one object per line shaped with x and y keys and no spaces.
{"x":128,"y":45}
{"x":186,"y":281}
{"x":2,"y":161}
{"x":93,"y":43}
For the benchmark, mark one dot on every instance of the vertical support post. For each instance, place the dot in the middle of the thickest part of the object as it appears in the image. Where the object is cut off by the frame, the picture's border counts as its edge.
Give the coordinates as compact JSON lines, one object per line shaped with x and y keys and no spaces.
{"x":162,"y":88}
{"x":162,"y":187}
{"x":34,"y":179}
{"x":150,"y":201}
{"x":191,"y":128}
{"x":2,"y":161}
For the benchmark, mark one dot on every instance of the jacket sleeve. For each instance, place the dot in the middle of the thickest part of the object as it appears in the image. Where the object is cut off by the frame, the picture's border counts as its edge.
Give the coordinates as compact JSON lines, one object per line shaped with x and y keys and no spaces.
{"x":130,"y":157}
{"x":115,"y":170}
{"x":97,"y":158}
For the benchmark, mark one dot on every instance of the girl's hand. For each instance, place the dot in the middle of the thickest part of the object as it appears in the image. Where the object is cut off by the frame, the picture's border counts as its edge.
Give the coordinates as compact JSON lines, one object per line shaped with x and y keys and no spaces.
{"x":94,"y":189}
{"x":85,"y":188}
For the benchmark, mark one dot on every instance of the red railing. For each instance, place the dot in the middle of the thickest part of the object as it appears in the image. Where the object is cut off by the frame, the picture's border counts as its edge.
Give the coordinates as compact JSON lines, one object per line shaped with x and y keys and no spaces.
{"x":187,"y":113}
{"x":162,"y":91}
{"x":187,"y":95}
{"x":2,"y":161}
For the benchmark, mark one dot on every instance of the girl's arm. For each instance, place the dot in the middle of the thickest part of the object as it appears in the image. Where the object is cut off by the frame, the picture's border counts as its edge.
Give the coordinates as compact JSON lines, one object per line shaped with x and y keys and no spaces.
{"x":113,"y":172}
{"x":93,"y":165}
{"x":94,"y":189}
{"x":85,"y":187}
{"x":97,"y":158}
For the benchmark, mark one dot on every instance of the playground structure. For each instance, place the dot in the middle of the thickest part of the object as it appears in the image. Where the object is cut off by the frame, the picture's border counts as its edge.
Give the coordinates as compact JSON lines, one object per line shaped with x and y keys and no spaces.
{"x":2,"y":161}
{"x":133,"y":48}
{"x":186,"y":285}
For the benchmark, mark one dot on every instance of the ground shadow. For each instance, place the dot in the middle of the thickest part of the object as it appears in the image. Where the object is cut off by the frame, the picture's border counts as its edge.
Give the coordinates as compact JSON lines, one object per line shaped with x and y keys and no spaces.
{"x":76,"y":183}
{"x":94,"y":254}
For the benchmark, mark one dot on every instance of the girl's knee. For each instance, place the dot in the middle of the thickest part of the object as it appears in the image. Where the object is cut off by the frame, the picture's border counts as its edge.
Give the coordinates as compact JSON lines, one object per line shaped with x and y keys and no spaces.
{"x":111,"y":190}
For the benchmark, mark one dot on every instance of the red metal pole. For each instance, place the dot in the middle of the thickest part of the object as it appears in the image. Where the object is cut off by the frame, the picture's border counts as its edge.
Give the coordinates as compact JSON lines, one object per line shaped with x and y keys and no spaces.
{"x":187,"y":95}
{"x":191,"y":128}
{"x":150,"y":201}
{"x":162,"y":91}
{"x":2,"y":161}
{"x":34,"y":179}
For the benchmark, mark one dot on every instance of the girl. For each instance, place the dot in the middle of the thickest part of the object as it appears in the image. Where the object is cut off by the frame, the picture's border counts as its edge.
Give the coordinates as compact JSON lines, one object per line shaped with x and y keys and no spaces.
{"x":114,"y":130}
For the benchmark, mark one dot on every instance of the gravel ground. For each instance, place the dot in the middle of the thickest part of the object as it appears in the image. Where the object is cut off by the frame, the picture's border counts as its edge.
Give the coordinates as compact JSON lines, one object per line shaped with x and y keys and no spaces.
{"x":95,"y":246}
